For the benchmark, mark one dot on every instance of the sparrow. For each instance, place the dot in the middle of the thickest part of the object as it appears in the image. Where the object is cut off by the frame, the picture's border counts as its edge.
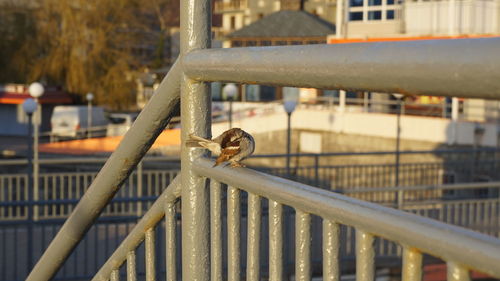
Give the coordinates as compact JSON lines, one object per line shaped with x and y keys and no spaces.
{"x":232,"y":146}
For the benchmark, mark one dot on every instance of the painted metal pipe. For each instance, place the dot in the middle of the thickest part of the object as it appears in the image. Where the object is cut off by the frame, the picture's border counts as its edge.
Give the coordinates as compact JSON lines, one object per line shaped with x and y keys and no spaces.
{"x":412,"y":264}
{"x":446,"y":241}
{"x":137,"y":235}
{"x":331,"y":250}
{"x":131,"y":266}
{"x":275,"y":241}
{"x":150,"y":254}
{"x":233,"y":234}
{"x":365,"y":256}
{"x":302,"y":246}
{"x":139,"y":138}
{"x":171,"y":242}
{"x":115,"y":275}
{"x":195,"y":33}
{"x":458,"y":67}
{"x":215,"y":230}
{"x":253,"y":239}
{"x":457,"y":272}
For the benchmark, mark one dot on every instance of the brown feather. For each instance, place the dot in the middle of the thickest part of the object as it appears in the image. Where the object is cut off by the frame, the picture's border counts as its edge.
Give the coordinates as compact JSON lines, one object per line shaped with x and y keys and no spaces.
{"x":226,"y":155}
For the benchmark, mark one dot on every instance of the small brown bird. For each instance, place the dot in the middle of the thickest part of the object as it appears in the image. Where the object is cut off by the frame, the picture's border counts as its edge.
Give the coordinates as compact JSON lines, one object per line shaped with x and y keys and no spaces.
{"x":233,"y":146}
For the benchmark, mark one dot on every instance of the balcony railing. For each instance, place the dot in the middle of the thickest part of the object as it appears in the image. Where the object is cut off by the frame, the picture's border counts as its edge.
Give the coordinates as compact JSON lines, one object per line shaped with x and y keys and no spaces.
{"x":446,"y":67}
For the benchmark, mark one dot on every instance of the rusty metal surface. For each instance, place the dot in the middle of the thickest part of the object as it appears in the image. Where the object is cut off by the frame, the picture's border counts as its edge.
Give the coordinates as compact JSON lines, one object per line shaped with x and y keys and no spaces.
{"x":445,"y":241}
{"x":460,"y":67}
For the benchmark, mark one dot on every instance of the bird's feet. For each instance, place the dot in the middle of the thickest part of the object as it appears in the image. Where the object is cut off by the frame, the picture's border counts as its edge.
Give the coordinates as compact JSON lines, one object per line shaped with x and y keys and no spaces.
{"x":237,"y":164}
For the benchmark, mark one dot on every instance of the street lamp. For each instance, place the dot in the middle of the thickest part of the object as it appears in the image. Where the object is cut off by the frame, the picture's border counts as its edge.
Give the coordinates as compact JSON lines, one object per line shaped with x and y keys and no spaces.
{"x":289,"y":106}
{"x":89,"y":97}
{"x":30,"y":106}
{"x":230,"y":91}
{"x":36,"y":90}
{"x":400,"y":99}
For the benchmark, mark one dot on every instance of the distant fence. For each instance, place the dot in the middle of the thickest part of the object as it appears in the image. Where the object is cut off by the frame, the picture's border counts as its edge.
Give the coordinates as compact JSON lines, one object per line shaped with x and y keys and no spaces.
{"x":474,"y":206}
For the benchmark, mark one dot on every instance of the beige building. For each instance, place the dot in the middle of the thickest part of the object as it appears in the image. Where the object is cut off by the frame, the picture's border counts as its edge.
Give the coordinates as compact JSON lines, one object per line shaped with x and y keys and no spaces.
{"x":239,"y":13}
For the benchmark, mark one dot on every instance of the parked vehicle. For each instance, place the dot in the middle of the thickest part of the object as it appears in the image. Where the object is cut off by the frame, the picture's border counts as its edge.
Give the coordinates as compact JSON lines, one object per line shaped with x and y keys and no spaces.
{"x":120,"y":123}
{"x":72,"y":122}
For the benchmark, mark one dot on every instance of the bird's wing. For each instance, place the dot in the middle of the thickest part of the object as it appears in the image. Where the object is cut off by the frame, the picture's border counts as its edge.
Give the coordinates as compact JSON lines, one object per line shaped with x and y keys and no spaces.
{"x":226,"y":154}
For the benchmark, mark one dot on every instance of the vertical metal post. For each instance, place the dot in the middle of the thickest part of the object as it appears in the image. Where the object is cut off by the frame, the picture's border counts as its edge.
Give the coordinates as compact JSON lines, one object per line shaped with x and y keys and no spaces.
{"x":36,"y":163}
{"x":30,"y":192}
{"x":139,"y":188}
{"x":365,"y":256}
{"x":171,"y":242}
{"x":398,"y":154}
{"x":412,"y":265}
{"x":331,"y":249}
{"x":195,"y":117}
{"x":339,"y":20}
{"x":275,"y":241}
{"x":288,"y":143}
{"x":342,"y":96}
{"x":302,"y":246}
{"x":457,"y":272}
{"x":454,"y":120}
{"x":215,"y":230}
{"x":253,"y":238}
{"x":89,"y":119}
{"x":230,"y":112}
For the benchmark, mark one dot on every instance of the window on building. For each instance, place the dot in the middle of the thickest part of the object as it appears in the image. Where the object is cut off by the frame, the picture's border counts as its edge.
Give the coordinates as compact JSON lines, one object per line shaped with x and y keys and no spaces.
{"x":233,"y":22}
{"x":266,"y":43}
{"x":251,"y":43}
{"x":390,"y":15}
{"x":281,"y":43}
{"x":374,"y":15}
{"x":372,"y":10}
{"x":236,"y":43}
{"x":356,"y":16}
{"x":356,"y":3}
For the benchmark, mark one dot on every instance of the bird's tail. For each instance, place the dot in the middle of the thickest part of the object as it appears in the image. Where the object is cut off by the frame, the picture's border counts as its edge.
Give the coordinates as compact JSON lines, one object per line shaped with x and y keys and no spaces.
{"x":195,"y":141}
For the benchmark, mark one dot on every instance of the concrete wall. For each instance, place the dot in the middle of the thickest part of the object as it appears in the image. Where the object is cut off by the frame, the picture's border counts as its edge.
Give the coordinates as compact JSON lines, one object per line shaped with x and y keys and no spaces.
{"x":418,"y":132}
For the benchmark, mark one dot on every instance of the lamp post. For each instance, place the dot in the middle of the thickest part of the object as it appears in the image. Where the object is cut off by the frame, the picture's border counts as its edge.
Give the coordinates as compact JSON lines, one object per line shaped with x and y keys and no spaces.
{"x":36,"y":90}
{"x":89,"y":97}
{"x":29,"y":106}
{"x":478,"y":139}
{"x":230,"y":91}
{"x":400,"y":194}
{"x":289,"y":108}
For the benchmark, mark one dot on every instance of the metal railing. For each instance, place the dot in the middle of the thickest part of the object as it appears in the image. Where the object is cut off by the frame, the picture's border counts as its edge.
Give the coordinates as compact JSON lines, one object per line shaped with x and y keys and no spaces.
{"x":340,"y":67}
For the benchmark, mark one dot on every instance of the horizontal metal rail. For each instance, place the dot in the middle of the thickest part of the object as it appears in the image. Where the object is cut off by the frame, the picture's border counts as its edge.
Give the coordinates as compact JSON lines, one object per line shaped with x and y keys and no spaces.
{"x":137,"y":235}
{"x":456,"y":68}
{"x":494,"y":184}
{"x":149,"y":124}
{"x":438,"y":239}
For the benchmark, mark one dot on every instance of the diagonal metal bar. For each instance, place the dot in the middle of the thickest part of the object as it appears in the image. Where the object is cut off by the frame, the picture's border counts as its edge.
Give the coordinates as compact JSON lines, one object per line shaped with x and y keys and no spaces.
{"x":436,"y":238}
{"x":149,"y":124}
{"x":460,"y":67}
{"x":136,"y":236}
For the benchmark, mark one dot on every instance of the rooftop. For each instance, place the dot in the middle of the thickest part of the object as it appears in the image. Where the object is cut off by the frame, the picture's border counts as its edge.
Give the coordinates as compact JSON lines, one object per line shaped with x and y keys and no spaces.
{"x":286,"y":24}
